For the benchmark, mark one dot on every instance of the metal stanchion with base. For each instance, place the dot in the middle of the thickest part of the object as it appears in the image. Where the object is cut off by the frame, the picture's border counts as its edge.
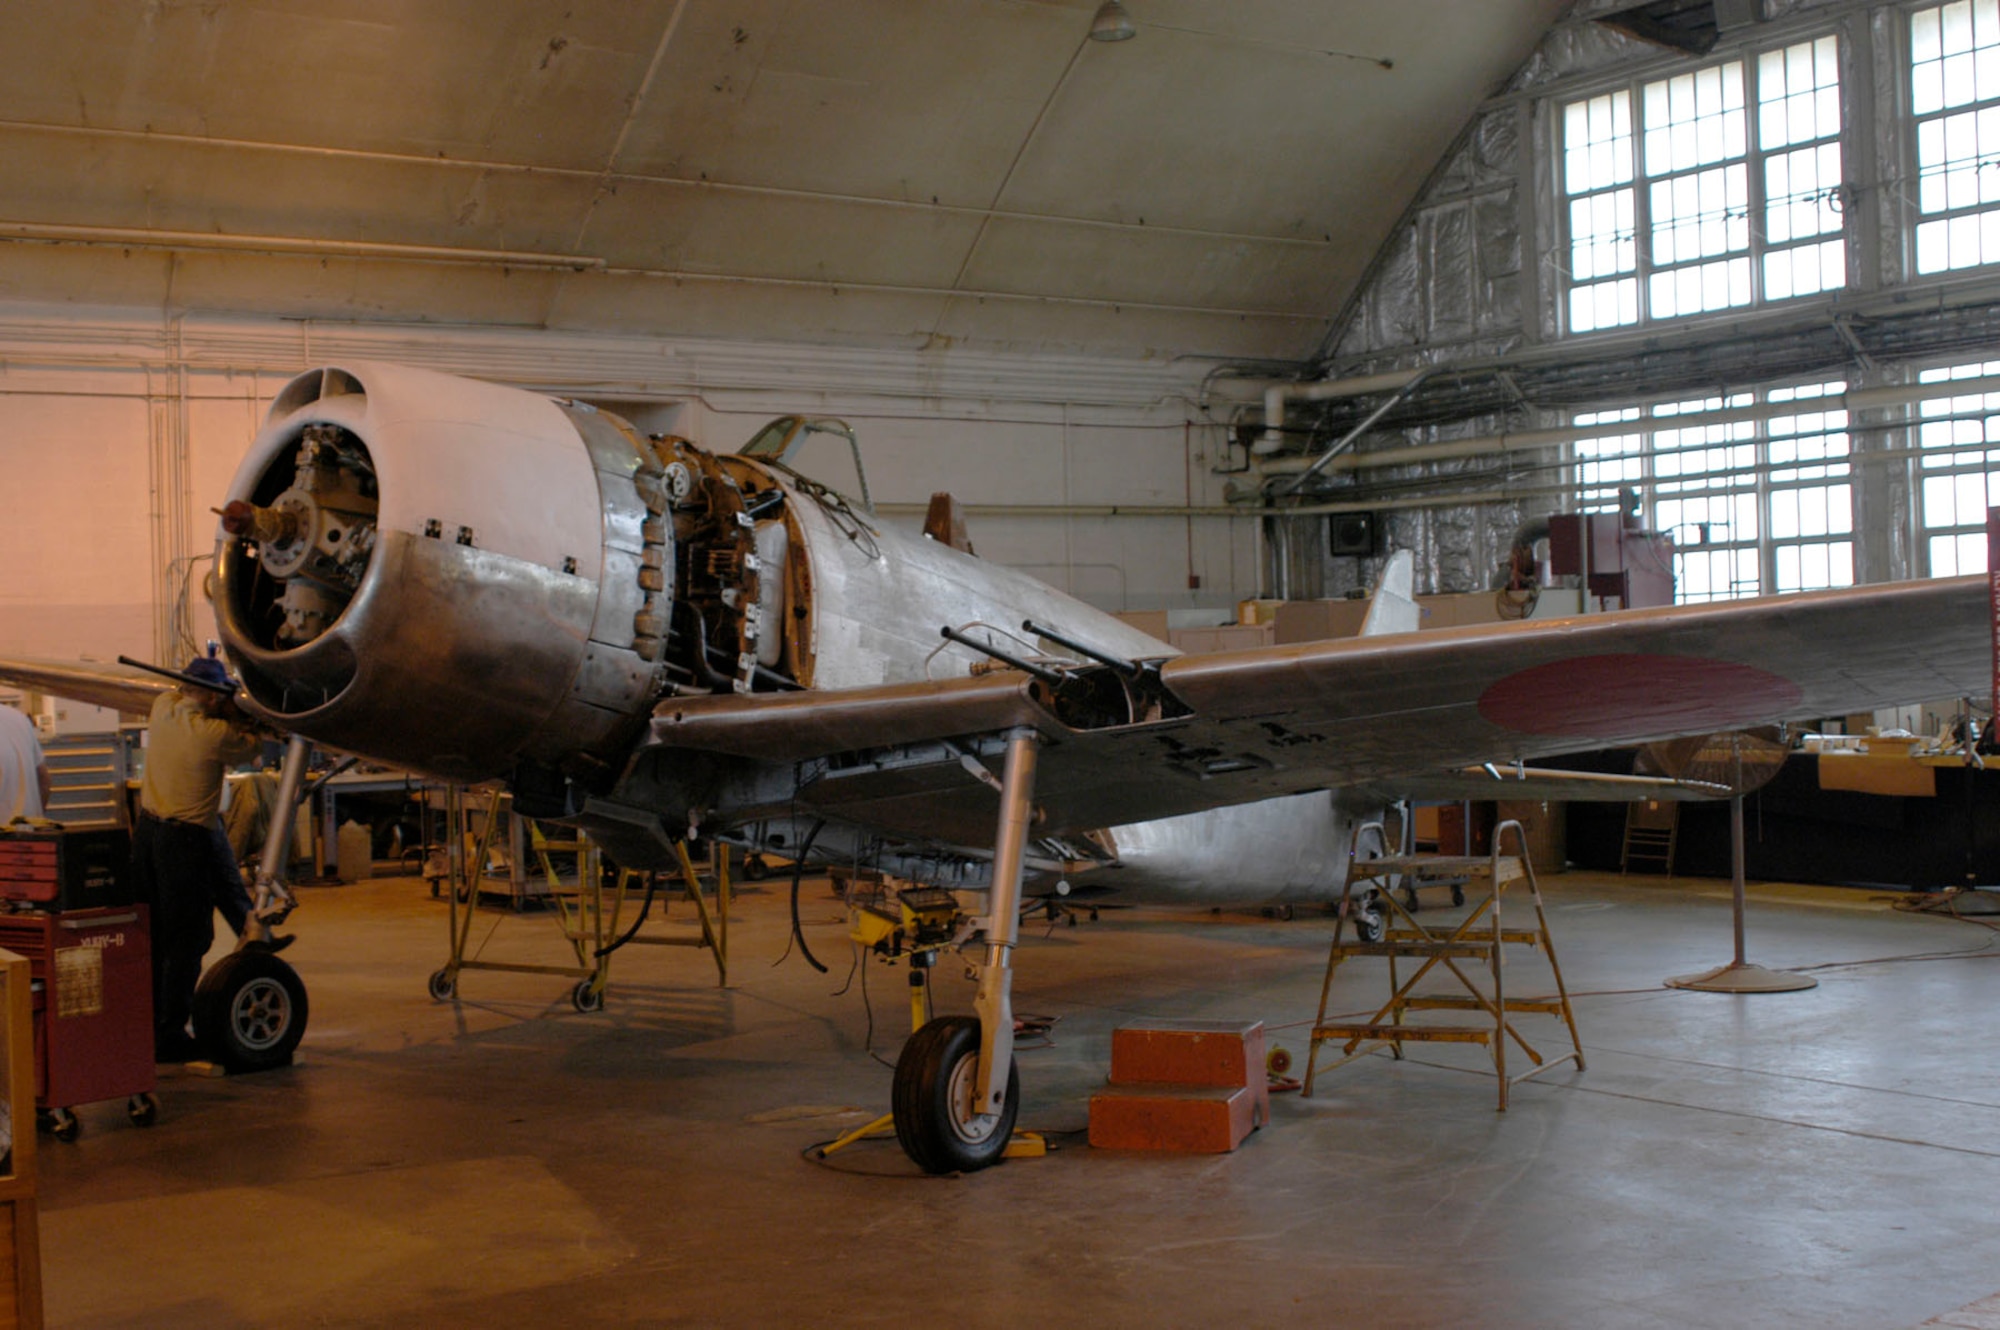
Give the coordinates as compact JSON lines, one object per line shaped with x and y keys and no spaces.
{"x":1740,"y":976}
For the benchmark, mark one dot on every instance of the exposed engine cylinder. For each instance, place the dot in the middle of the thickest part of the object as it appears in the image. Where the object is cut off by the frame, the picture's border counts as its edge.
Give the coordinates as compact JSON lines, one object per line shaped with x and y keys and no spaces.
{"x":447,"y":574}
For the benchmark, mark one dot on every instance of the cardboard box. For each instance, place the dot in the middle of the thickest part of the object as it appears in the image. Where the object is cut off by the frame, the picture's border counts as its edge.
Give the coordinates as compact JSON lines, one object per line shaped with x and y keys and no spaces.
{"x":1453,"y":611}
{"x":1318,"y":620}
{"x":1153,"y":623}
{"x":1229,"y":637}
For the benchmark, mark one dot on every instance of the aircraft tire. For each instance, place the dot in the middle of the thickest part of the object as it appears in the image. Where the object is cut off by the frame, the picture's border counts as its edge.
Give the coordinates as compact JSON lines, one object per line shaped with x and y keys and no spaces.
{"x":933,"y":1100}
{"x":250,"y":1011}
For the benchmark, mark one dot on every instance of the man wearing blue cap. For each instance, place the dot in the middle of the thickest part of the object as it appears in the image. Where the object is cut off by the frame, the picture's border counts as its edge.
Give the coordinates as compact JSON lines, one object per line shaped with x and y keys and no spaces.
{"x":182,"y":864}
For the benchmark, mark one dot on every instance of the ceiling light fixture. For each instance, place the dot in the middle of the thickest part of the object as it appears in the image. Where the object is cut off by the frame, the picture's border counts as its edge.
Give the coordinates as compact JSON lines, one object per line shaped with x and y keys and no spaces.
{"x":1112,"y":23}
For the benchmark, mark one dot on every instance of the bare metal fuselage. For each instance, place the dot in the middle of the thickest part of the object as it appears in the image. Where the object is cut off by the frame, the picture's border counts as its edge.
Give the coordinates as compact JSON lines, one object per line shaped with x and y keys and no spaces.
{"x":480,"y":583}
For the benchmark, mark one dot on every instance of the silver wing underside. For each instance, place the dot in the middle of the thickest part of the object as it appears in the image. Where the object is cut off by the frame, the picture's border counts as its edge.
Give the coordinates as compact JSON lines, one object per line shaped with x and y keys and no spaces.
{"x":1369,"y":711}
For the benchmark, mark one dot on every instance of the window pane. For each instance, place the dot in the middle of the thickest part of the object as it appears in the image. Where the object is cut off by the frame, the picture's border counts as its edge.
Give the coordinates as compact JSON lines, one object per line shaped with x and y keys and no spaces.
{"x":1602,"y":242}
{"x":1597,"y":143}
{"x":1604,"y":305}
{"x":1805,"y":270}
{"x":1960,"y":469}
{"x":1802,"y":194}
{"x":1694,"y":119}
{"x":1954,"y":64}
{"x":1700,"y":288}
{"x":1693,"y":237}
{"x":1699,"y":215}
{"x":1798,"y":97}
{"x":1605,"y":464}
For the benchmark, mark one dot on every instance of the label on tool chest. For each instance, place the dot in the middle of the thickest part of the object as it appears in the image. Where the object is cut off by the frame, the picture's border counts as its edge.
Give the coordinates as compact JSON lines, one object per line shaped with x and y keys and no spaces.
{"x":80,"y":980}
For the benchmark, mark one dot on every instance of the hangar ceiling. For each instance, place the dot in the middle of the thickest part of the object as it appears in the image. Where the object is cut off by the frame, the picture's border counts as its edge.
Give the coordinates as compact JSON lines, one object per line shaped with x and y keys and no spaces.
{"x":915,"y":173}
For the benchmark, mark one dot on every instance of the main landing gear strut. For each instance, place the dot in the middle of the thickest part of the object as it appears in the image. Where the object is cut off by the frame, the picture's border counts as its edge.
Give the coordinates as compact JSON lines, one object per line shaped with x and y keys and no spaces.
{"x":957,"y":1088}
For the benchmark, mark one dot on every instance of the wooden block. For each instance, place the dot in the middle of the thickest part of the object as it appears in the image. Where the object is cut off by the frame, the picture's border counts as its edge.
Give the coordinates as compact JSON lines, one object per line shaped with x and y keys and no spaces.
{"x":1182,"y":1119}
{"x":1216,"y":1053}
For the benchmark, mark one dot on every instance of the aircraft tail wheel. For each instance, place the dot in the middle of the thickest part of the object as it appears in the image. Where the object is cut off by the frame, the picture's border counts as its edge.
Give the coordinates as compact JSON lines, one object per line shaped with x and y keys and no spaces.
{"x":250,"y":1011}
{"x":933,"y":1100}
{"x":1368,"y":926}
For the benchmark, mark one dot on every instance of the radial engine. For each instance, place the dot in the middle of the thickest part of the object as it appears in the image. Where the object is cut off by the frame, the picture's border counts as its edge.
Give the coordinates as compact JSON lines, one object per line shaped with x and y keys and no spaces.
{"x":476,"y":582}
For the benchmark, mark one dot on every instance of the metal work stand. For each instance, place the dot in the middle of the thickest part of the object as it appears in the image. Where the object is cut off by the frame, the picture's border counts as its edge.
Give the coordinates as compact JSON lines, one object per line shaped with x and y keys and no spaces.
{"x":1477,"y":937}
{"x":590,"y":915}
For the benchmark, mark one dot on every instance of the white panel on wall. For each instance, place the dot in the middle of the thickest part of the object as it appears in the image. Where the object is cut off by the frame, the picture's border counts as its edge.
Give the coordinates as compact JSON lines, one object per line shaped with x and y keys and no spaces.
{"x":75,"y":523}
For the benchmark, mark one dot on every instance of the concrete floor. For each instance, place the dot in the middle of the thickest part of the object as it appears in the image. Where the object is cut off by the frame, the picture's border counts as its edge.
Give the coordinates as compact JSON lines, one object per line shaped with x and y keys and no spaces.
{"x":1827,"y":1158}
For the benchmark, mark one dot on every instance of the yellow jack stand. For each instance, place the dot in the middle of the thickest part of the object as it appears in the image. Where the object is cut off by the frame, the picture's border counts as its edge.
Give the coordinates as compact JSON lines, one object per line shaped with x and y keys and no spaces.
{"x":1022,"y":1145}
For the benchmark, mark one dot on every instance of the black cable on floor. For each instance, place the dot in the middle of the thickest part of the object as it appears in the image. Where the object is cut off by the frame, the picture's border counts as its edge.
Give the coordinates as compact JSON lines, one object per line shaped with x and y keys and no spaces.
{"x":798,"y":875}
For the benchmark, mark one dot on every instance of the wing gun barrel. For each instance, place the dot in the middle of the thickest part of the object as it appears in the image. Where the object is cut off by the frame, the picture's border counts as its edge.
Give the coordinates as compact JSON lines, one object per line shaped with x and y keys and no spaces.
{"x":1128,"y":669}
{"x":1053,"y":678}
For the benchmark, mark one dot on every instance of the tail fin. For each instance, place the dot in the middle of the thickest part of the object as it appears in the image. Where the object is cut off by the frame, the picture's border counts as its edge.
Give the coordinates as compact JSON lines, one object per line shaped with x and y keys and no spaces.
{"x":1393,"y":608}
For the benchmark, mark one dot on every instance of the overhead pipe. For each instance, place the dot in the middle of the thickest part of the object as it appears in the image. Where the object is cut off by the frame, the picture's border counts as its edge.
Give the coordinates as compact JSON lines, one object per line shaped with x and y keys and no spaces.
{"x":1277,"y":393}
{"x":1861,"y":399}
{"x":1346,"y":441}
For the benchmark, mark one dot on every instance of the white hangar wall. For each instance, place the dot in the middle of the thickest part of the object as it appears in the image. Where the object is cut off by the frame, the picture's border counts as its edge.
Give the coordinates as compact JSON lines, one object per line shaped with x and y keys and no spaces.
{"x":121,"y":431}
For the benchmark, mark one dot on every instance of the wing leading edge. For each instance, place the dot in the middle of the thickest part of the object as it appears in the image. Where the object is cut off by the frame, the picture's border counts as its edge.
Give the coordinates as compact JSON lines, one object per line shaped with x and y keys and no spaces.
{"x":1369,"y":710}
{"x":98,"y":685}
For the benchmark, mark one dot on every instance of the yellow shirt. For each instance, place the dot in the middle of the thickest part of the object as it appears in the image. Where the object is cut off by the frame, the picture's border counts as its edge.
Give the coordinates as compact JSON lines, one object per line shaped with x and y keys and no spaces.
{"x":186,"y":754}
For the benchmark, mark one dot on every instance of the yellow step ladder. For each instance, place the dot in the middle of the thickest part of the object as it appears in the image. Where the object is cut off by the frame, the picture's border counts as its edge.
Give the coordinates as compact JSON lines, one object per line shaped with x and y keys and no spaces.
{"x":1393,"y":884}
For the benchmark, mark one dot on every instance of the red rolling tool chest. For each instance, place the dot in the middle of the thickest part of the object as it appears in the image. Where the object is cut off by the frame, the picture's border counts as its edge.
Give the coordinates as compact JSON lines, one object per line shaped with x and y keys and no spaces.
{"x":66,"y":870}
{"x":91,"y":970}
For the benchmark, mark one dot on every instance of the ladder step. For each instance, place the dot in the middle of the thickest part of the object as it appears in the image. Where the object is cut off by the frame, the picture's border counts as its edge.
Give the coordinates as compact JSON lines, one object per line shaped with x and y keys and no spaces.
{"x":1521,"y":936}
{"x":1436,"y":865}
{"x":1447,"y":1034}
{"x":1438,"y":868}
{"x":1474,"y":950}
{"x":1451,"y":1002}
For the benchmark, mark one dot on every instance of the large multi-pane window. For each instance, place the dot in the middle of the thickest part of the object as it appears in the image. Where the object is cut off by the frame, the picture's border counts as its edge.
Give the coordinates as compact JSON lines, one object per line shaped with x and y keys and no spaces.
{"x":1754,"y":488}
{"x":1958,"y":471}
{"x":1955,"y":99}
{"x":1708,"y":190}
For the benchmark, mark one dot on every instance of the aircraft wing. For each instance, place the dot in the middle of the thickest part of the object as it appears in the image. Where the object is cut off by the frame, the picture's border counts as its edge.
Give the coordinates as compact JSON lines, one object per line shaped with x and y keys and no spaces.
{"x":99,"y":685}
{"x":1362,"y":711}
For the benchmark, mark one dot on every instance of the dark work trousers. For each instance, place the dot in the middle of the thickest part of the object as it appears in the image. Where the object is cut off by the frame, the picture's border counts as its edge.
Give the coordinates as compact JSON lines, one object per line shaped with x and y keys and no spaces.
{"x":182,"y":874}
